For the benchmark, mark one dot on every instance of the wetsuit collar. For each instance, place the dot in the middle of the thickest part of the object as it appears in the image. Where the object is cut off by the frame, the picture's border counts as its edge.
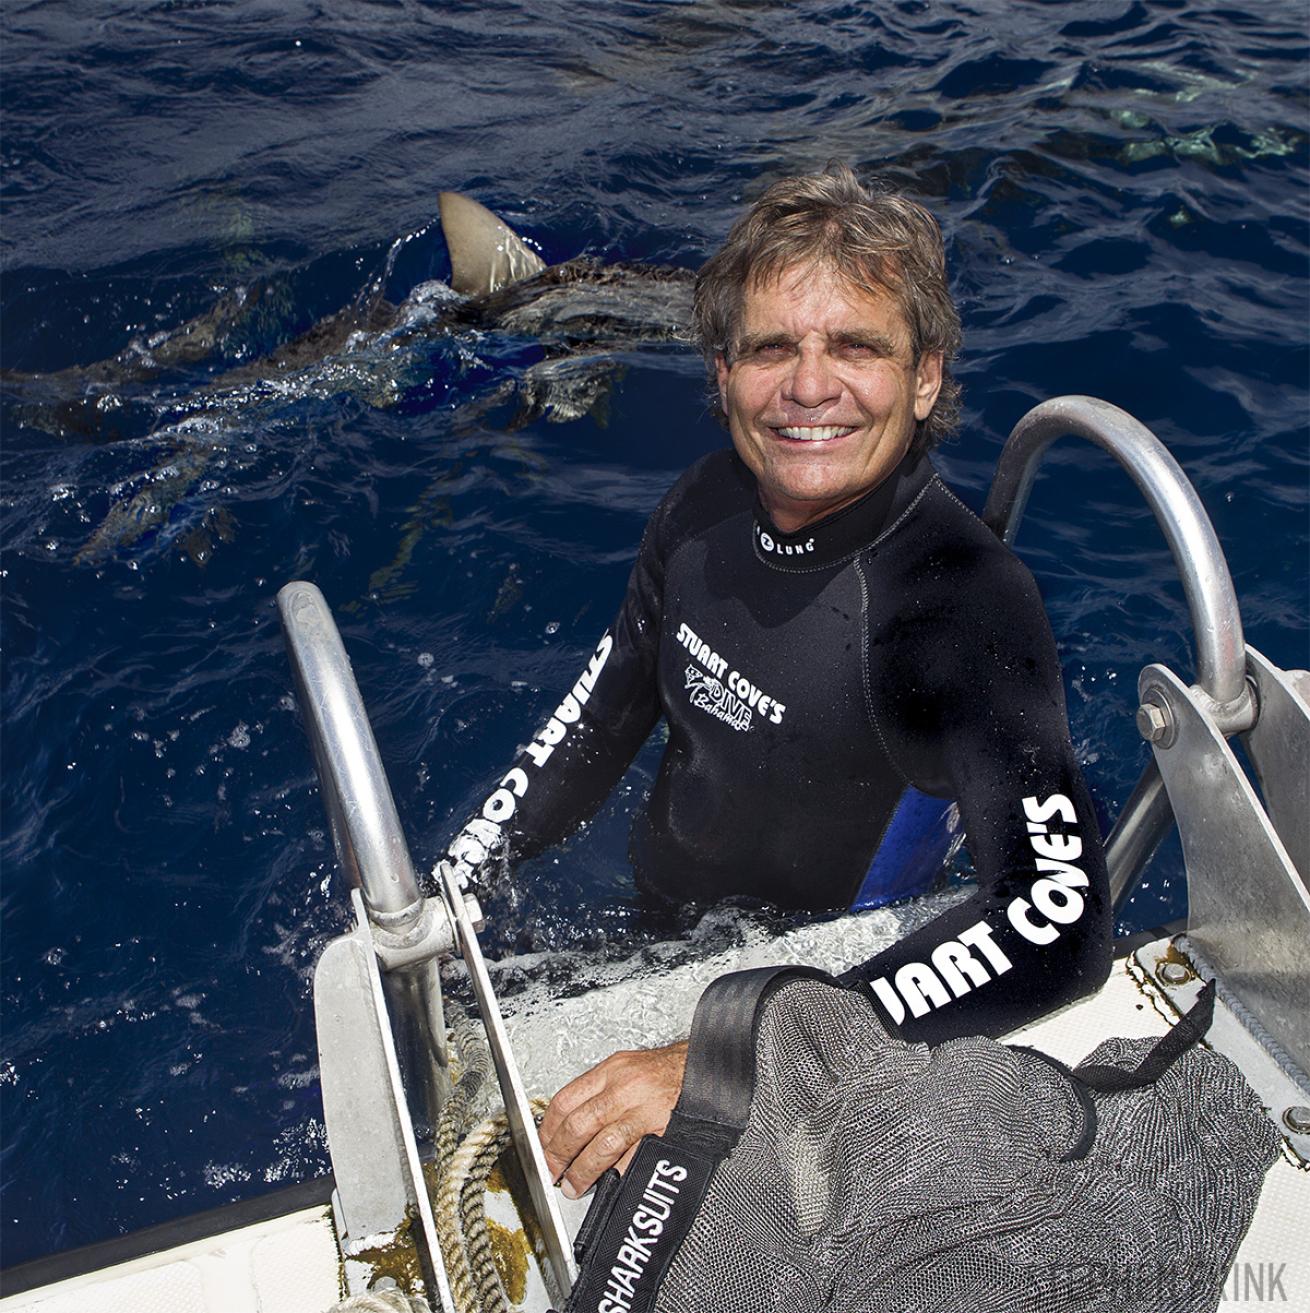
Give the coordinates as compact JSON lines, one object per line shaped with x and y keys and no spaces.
{"x":847,"y":531}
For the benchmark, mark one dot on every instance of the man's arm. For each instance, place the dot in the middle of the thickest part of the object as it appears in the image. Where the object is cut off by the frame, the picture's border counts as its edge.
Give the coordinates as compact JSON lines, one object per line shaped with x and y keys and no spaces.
{"x":579,"y":754}
{"x":985,"y":711}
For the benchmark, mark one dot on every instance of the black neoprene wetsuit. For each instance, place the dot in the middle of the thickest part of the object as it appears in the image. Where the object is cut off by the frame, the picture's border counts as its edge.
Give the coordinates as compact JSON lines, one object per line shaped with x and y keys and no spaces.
{"x":807,"y":679}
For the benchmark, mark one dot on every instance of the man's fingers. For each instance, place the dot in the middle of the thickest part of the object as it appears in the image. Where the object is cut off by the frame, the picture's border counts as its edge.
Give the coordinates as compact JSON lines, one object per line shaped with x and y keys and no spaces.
{"x":572,"y":1096}
{"x":601,"y":1153}
{"x":579,"y":1112}
{"x":596,"y":1120}
{"x":577,"y":1129}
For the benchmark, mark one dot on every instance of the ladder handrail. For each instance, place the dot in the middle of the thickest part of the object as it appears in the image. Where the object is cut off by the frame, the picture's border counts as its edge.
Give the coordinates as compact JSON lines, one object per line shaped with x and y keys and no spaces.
{"x":406,"y":930}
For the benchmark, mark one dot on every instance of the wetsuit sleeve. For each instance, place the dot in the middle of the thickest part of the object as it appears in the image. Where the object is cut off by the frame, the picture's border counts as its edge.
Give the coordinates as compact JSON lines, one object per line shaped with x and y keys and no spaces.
{"x":980,"y":715}
{"x":575,"y":759}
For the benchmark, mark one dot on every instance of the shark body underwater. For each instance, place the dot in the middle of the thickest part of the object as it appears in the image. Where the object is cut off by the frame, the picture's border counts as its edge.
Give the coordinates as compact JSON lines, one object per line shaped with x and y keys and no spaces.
{"x":582,"y":312}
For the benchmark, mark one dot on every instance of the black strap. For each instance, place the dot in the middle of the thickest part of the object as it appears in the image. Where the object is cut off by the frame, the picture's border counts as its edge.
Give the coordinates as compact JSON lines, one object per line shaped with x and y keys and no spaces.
{"x":719,"y":1082}
{"x":1104,"y":1079}
{"x":637,"y":1223}
{"x":1083,"y":1145}
{"x":1191,"y":1026}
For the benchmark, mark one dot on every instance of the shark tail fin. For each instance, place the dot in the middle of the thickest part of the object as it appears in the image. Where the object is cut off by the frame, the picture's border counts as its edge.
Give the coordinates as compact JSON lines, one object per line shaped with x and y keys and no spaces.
{"x":485,"y":253}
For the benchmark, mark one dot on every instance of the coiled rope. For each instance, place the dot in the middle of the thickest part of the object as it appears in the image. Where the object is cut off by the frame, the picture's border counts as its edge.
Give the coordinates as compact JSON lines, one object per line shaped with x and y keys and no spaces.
{"x":467,"y":1151}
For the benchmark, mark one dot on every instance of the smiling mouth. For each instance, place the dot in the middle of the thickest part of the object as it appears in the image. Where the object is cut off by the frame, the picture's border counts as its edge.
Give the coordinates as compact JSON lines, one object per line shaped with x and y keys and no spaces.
{"x":815,"y":432}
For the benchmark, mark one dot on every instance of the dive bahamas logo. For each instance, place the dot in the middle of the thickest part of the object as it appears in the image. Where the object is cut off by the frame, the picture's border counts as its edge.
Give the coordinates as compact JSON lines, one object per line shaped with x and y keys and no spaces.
{"x":709,"y":694}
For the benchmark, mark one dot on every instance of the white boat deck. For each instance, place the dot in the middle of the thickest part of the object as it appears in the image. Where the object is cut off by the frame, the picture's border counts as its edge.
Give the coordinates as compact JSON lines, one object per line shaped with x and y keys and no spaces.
{"x":288,"y":1265}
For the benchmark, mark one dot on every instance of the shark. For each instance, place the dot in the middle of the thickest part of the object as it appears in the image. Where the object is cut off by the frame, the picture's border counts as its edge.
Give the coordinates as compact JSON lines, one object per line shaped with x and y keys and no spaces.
{"x":583,"y":312}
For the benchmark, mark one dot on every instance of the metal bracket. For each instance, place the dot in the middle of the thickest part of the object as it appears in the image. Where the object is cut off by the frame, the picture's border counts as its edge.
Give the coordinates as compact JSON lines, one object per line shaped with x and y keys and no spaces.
{"x":374,"y":1154}
{"x":1248,"y":911}
{"x":1173,"y":973}
{"x":560,"y":1271}
{"x":1279,"y":747}
{"x":403,"y":939}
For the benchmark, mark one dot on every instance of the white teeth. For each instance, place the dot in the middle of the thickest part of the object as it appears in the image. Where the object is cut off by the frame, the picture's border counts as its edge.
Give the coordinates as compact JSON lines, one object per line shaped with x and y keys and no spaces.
{"x":817,"y":433}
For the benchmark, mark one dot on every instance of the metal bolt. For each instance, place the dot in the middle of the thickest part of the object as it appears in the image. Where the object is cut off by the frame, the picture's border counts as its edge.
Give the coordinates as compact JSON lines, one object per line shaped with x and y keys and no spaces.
{"x":1175,"y":973}
{"x":1297,"y":1120}
{"x":475,"y":913}
{"x":1153,"y":722}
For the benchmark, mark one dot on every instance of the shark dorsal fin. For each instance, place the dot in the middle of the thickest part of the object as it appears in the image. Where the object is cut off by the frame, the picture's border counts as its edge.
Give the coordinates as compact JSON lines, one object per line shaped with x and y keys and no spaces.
{"x":485,"y":253}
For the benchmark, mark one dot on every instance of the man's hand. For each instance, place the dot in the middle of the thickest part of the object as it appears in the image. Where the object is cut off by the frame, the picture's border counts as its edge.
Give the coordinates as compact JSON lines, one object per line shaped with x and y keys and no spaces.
{"x":596,"y":1120}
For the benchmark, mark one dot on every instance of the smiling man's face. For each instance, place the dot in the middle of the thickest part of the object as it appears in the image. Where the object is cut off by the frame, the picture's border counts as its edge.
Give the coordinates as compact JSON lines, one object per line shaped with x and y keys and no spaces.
{"x":822,"y":393}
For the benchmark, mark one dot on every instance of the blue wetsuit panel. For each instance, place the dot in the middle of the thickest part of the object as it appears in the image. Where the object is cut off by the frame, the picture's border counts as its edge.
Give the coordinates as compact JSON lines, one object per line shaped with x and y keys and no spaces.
{"x":914,"y":847}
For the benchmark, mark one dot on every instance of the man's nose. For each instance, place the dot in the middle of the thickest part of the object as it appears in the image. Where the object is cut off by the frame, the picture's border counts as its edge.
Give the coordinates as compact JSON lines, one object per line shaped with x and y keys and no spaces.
{"x":812,"y":381}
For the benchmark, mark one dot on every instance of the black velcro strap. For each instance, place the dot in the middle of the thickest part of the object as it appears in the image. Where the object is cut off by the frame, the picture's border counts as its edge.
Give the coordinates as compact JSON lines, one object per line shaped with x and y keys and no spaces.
{"x":624,"y":1253}
{"x":720,"y":1077}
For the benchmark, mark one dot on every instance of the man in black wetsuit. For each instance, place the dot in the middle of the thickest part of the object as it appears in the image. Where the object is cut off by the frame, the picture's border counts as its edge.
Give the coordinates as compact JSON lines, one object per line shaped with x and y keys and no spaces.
{"x":824,"y":626}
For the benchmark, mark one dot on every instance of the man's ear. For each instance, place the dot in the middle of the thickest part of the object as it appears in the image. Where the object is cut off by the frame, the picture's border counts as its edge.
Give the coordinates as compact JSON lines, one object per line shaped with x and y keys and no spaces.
{"x":721,"y":372}
{"x":927,"y":383}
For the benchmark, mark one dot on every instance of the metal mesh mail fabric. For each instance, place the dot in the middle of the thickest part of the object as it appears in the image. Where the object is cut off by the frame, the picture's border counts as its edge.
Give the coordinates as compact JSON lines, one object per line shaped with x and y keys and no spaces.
{"x":877,"y":1175}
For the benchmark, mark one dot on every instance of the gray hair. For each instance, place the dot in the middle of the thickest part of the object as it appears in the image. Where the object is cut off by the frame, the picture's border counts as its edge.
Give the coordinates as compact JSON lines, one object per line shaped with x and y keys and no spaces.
{"x":873,"y":240}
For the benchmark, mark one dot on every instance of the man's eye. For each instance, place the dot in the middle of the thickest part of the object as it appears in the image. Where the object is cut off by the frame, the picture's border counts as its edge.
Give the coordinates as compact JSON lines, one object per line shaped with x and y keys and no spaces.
{"x":860,"y":350}
{"x":771,"y":350}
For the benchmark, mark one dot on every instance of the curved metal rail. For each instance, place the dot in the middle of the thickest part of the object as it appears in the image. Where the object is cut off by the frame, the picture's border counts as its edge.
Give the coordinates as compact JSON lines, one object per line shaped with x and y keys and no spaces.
{"x":365,"y":828}
{"x":1216,"y":620}
{"x":1207,"y":585}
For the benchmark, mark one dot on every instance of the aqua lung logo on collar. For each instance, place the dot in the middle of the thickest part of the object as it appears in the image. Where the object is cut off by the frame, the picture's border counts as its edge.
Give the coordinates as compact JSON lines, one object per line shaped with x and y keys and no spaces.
{"x":642,"y":1238}
{"x":769,"y":543}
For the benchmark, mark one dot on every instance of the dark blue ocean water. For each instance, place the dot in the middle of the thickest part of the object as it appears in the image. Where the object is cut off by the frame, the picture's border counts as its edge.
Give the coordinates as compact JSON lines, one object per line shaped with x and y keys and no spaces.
{"x":1123,"y":188}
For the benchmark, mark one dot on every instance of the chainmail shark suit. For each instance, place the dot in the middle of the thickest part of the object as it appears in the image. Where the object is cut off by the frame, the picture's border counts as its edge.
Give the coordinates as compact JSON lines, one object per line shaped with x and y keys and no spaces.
{"x":808,"y":680}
